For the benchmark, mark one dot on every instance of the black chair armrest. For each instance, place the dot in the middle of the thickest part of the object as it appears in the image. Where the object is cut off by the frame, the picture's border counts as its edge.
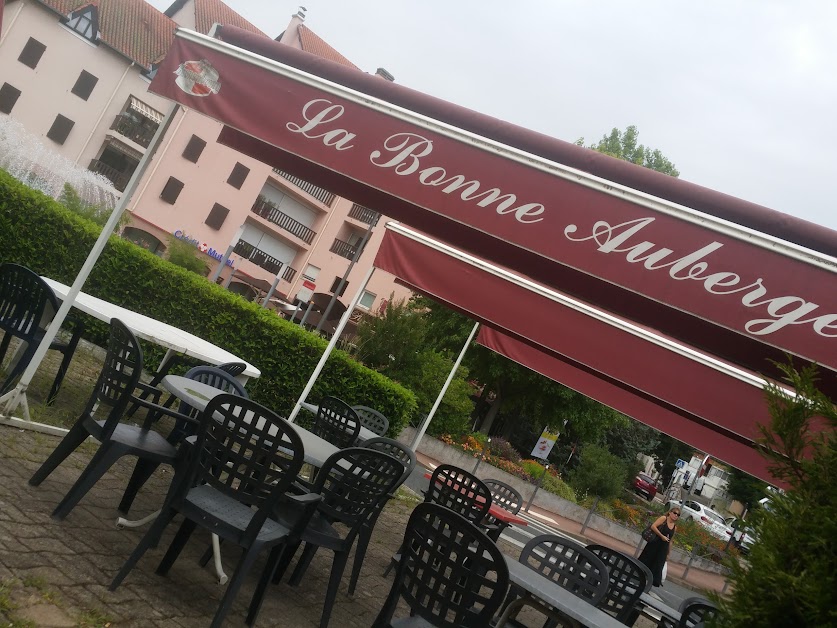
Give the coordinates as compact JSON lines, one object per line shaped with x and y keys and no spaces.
{"x":155,"y":411}
{"x":309,"y":503}
{"x":151,"y":391}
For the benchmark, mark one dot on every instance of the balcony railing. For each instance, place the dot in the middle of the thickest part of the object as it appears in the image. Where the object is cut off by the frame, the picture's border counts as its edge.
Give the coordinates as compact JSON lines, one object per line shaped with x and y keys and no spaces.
{"x":343,"y":249}
{"x":364,"y":214}
{"x":289,"y":274}
{"x":321,"y":194}
{"x":267,"y":210}
{"x":257,"y":256}
{"x":134,"y":131}
{"x":118,"y":178}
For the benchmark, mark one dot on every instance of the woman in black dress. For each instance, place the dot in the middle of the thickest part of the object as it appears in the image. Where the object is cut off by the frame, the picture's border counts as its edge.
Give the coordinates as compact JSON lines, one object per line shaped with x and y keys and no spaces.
{"x":655,"y":552}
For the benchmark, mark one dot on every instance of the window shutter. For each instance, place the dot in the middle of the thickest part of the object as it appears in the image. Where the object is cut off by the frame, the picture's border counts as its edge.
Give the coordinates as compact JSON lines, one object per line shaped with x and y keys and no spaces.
{"x":31,"y":54}
{"x":8,"y":98}
{"x":171,"y":190}
{"x":84,"y":85}
{"x":193,"y":149}
{"x":217,"y":216}
{"x":60,"y":129}
{"x":238,"y":175}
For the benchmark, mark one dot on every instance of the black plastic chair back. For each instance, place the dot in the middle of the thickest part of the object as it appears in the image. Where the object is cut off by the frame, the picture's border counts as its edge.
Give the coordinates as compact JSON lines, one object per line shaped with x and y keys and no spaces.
{"x":217,"y":377}
{"x":397,"y":450}
{"x":459,"y":491}
{"x":119,"y":377}
{"x":696,"y":610}
{"x":336,"y":422}
{"x":233,"y":368}
{"x":505,"y":496}
{"x":627,"y":582}
{"x":372,"y":420}
{"x":451,"y":573}
{"x":568,"y":564}
{"x":353,"y":482}
{"x":246,"y":452}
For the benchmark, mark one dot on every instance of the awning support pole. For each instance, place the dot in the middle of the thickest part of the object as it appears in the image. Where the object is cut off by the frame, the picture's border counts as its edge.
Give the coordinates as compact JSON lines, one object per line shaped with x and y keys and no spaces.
{"x":17,"y":395}
{"x":441,"y":396}
{"x":340,"y":326}
{"x":272,"y":289}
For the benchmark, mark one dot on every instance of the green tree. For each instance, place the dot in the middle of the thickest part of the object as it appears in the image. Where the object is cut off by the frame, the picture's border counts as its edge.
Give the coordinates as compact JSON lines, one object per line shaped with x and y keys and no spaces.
{"x":185,"y":255}
{"x":625,"y":145}
{"x":598,"y":473}
{"x":790,"y":577}
{"x":626,"y":439}
{"x":745,"y":488}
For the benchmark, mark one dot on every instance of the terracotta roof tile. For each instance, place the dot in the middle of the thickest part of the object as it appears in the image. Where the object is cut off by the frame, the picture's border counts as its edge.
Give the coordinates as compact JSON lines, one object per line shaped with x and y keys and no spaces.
{"x":315,"y":45}
{"x":131,"y":27}
{"x":208,"y":12}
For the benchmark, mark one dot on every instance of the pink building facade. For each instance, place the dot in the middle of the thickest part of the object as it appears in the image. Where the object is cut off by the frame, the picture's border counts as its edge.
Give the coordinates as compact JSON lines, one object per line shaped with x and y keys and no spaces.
{"x":76,"y":74}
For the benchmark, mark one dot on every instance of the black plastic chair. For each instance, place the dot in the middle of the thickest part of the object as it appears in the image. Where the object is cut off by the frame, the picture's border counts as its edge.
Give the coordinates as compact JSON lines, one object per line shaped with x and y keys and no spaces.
{"x":507,"y":498}
{"x":336,"y":422}
{"x":372,"y":420}
{"x":144,"y":468}
{"x":459,"y":491}
{"x":566,"y":563}
{"x":451,"y":574}
{"x":114,"y":390}
{"x":694,"y":611}
{"x":239,"y":470}
{"x":233,"y":368}
{"x":627,"y":582}
{"x":27,"y":305}
{"x":407,"y":457}
{"x":352,"y":483}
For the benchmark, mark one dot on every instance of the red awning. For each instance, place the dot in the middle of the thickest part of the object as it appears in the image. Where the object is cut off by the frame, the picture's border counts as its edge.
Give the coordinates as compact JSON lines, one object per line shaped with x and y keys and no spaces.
{"x":677,"y":423}
{"x":665,"y":254}
{"x":699,"y":399}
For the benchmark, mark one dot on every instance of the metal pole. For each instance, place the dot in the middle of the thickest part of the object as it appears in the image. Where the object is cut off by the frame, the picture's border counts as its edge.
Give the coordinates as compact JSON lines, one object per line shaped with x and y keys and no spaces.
{"x":345,"y":276}
{"x":272,"y":290}
{"x":17,"y":396}
{"x":423,"y":428}
{"x":340,"y":326}
{"x":590,"y":514}
{"x":230,"y":248}
{"x":537,"y":486}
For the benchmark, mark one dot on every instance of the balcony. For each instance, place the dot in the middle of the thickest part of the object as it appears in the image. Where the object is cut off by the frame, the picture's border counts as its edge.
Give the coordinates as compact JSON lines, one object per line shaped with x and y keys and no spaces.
{"x":258,"y":257}
{"x":116,"y":177}
{"x":267,"y":210}
{"x":321,"y":194}
{"x":364,"y":214}
{"x":343,"y":249}
{"x":129,"y":128}
{"x":289,"y":274}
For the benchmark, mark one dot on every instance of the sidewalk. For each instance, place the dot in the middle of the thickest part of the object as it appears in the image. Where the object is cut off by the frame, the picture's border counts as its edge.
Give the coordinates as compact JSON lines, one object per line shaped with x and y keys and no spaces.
{"x":696,"y":579}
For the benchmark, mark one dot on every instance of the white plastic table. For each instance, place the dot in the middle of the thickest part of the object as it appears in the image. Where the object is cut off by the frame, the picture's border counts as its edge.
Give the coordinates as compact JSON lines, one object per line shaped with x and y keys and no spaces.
{"x":197,"y":394}
{"x":542,"y":593}
{"x":174,"y":340}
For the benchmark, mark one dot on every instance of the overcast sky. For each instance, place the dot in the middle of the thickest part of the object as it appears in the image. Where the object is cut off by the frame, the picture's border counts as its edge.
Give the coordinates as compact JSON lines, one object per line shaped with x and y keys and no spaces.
{"x":740,"y":95}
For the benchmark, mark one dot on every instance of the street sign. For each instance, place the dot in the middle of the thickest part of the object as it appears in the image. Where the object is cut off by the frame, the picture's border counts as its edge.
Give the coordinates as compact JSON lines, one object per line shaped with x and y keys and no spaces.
{"x":680,"y":463}
{"x":544,"y":444}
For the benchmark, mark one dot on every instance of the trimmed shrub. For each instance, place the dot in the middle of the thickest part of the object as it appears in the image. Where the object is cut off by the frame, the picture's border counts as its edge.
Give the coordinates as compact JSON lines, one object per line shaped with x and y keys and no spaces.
{"x":41,"y":234}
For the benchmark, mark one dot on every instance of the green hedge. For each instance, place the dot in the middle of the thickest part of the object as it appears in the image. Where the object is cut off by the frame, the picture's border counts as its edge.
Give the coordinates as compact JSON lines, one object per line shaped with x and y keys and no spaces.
{"x":39,"y":233}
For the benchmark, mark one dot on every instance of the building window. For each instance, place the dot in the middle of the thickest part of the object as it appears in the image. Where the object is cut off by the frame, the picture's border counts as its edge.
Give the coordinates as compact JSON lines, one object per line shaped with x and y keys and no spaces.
{"x":32,"y":52}
{"x":193,"y":149}
{"x":217,"y":216}
{"x":367,"y":300}
{"x":311,"y":273}
{"x":85,"y":22}
{"x":238,"y":175}
{"x":336,"y":283}
{"x":84,"y":85}
{"x":171,"y":190}
{"x":60,"y":129}
{"x":8,"y":98}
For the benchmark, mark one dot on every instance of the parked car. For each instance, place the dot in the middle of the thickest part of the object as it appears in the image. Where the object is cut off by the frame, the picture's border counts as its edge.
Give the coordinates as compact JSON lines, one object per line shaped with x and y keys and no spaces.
{"x":737,"y":529}
{"x":712,"y":521}
{"x":644,"y":485}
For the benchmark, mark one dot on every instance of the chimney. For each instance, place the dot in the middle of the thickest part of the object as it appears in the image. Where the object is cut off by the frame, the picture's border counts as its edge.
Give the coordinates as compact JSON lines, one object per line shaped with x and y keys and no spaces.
{"x":385,"y":75}
{"x":290,"y":35}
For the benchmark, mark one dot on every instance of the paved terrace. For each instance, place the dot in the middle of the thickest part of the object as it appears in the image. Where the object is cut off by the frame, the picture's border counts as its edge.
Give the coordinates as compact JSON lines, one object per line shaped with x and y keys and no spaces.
{"x":55,"y":574}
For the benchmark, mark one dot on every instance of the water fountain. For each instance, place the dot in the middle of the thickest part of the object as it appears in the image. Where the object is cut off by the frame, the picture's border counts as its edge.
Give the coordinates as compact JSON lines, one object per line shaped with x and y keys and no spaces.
{"x":25,"y":157}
